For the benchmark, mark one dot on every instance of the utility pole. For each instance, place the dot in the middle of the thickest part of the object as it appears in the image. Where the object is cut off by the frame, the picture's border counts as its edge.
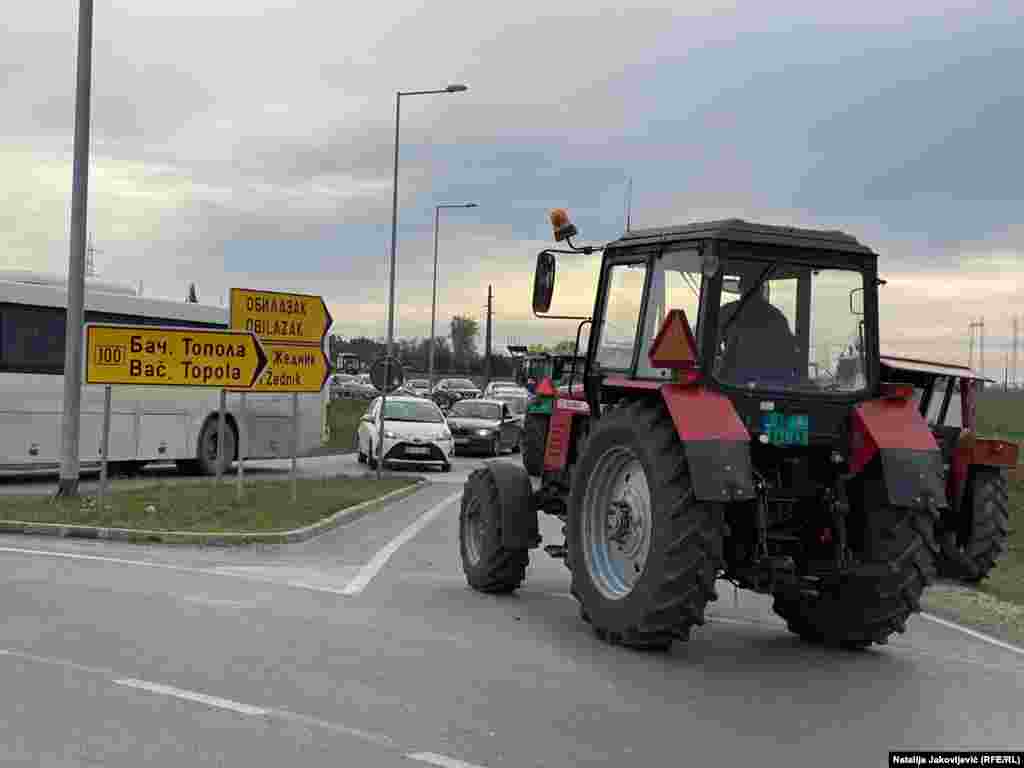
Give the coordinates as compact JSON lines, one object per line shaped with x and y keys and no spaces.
{"x":90,"y":262}
{"x":982,"y":348}
{"x":487,"y":342}
{"x":972,"y":327}
{"x":71,"y":422}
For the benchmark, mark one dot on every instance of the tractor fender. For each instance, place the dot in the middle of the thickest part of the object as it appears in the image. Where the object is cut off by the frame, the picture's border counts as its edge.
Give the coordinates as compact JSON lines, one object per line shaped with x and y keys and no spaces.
{"x":973,"y":451}
{"x":519,"y":526}
{"x":563,"y":413}
{"x":715,"y":441}
{"x":911,"y":463}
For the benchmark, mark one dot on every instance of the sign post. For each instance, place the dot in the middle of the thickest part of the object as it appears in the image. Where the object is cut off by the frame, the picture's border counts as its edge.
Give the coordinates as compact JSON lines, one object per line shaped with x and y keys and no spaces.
{"x":292,"y":328}
{"x":387,"y":376}
{"x":243,"y":449}
{"x":295,"y":445}
{"x":104,"y":449}
{"x":220,"y":438}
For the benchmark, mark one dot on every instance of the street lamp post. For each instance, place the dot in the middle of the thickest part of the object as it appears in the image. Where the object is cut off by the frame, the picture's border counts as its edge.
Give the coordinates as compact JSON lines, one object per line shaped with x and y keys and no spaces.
{"x":433,"y":303}
{"x":456,"y":88}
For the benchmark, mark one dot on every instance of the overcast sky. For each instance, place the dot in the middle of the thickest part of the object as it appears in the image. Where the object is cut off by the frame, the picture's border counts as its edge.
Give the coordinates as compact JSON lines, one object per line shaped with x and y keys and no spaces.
{"x":249,"y":143}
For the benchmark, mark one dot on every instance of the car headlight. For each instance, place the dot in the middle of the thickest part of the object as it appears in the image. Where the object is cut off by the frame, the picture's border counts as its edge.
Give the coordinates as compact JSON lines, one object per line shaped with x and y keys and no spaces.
{"x":484,"y":432}
{"x":389,"y":435}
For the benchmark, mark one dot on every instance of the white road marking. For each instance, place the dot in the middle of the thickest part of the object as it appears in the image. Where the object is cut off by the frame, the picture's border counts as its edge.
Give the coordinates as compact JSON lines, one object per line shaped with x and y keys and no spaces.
{"x":281,"y":714}
{"x":202,"y":698}
{"x":372,"y":568}
{"x":440,"y":760}
{"x":219,"y":571}
{"x":974,"y":633}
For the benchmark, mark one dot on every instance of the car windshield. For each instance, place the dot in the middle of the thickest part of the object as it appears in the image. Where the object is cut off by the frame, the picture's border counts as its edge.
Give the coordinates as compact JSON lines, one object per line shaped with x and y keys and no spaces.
{"x":461,"y":383}
{"x":422,"y":411}
{"x":790,"y":326}
{"x":516,"y":403}
{"x":470,"y":410}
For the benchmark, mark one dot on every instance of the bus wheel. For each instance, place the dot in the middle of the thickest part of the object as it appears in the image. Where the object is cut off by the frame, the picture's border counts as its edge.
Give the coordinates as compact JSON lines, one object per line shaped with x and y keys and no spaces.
{"x":208,"y":447}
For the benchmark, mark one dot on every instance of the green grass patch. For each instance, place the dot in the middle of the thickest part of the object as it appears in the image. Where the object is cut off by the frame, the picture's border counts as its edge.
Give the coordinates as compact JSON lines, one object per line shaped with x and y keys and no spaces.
{"x":342,"y":422}
{"x":267,"y":505}
{"x":1001,"y":414}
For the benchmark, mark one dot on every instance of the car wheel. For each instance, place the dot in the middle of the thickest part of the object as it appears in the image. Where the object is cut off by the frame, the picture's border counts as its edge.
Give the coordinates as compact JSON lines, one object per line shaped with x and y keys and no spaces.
{"x":496,"y":447}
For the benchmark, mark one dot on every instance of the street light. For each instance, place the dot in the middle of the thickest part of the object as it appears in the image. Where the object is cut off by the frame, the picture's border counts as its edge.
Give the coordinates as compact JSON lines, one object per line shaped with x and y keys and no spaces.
{"x":454,"y":88}
{"x":433,"y":304}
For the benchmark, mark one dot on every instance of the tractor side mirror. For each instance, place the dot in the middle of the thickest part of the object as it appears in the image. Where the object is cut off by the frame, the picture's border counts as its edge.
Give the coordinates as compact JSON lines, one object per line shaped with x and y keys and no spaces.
{"x":857,"y":301}
{"x":543,"y":282}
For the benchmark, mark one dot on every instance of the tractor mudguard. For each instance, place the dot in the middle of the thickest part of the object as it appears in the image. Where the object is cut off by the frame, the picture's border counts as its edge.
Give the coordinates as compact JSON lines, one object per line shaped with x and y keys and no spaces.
{"x":556,"y":453}
{"x":519,"y":526}
{"x":716,"y":443}
{"x":974,"y":451}
{"x":894,"y":430}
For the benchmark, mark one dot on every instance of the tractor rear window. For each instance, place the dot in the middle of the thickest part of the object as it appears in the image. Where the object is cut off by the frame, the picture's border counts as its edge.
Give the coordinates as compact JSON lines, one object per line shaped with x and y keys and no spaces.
{"x":787,"y":326}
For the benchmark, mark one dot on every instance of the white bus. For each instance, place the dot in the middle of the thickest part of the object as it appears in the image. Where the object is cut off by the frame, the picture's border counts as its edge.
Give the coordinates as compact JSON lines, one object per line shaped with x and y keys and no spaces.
{"x":148,"y":424}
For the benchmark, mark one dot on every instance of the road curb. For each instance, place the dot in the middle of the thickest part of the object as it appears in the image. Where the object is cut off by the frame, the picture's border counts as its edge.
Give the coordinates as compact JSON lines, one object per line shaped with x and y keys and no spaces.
{"x":211,"y":539}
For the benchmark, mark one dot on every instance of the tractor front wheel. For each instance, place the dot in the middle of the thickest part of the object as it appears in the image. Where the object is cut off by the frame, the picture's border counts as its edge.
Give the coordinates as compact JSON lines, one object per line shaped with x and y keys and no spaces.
{"x":643,"y":552}
{"x":535,"y":438}
{"x":970,"y":553}
{"x":489,"y":565}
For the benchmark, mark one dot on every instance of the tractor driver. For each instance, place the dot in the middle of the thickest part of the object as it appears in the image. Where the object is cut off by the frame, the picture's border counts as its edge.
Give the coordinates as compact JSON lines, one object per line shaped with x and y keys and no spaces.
{"x":759,"y":345}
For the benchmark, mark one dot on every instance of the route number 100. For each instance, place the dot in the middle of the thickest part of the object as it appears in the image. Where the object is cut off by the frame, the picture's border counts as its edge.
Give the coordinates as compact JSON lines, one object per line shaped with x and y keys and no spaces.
{"x":109,"y":355}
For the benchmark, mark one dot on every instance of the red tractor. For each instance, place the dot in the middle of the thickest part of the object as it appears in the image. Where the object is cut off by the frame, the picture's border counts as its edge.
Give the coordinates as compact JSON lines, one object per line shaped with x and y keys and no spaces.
{"x":973,"y":531}
{"x":735,"y":422}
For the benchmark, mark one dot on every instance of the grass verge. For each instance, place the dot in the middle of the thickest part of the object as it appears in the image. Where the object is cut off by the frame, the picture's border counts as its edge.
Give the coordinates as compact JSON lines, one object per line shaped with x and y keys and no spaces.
{"x":996,"y":606}
{"x":1006,"y":581}
{"x":267,"y":506}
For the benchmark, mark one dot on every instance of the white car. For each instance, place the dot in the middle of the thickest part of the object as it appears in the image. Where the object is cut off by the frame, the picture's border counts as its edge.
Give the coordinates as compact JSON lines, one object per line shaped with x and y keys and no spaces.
{"x":415,"y":431}
{"x":507,"y":387}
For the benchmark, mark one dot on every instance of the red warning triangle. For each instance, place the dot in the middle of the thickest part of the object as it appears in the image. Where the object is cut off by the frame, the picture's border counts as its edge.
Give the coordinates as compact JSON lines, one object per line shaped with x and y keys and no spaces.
{"x":546,"y":387}
{"x":674,"y":346}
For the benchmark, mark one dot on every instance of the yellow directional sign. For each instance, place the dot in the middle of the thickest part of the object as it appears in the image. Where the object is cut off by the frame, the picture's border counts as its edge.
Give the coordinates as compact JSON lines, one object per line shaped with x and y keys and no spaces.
{"x":284,"y":317}
{"x":292,"y":368}
{"x":170,"y":356}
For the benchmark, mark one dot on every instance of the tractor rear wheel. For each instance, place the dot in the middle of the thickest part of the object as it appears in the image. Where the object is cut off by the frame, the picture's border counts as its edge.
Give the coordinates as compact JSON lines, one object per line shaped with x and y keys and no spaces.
{"x":875,"y":599}
{"x":970,"y":554}
{"x":489,"y":565}
{"x":643,"y":552}
{"x":535,"y":438}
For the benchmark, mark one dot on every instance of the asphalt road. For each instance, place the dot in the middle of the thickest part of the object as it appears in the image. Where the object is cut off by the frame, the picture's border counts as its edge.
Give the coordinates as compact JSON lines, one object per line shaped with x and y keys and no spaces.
{"x":365,"y":648}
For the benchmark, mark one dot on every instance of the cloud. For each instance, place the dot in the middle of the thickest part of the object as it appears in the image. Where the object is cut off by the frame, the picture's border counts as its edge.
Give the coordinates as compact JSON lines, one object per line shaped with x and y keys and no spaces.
{"x":251,"y":144}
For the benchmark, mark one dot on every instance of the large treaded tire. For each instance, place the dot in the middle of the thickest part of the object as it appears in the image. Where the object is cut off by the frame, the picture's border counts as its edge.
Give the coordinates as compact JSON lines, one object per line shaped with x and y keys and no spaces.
{"x":494,"y":568}
{"x":973,"y":556}
{"x":678,"y":577}
{"x":535,"y":438}
{"x":876,"y":598}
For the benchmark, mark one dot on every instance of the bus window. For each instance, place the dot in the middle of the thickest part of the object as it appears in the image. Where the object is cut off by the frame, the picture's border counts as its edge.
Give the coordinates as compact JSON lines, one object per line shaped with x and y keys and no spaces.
{"x":32,"y":340}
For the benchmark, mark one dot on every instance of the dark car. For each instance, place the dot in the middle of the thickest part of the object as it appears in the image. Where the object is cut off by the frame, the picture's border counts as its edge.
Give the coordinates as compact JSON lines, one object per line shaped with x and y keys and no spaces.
{"x":485,"y":425}
{"x":450,"y":391}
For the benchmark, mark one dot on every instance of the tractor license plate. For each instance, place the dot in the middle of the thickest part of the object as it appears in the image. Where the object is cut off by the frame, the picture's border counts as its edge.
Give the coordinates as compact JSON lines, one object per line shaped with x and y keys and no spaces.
{"x":417,"y":451}
{"x":786,"y":428}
